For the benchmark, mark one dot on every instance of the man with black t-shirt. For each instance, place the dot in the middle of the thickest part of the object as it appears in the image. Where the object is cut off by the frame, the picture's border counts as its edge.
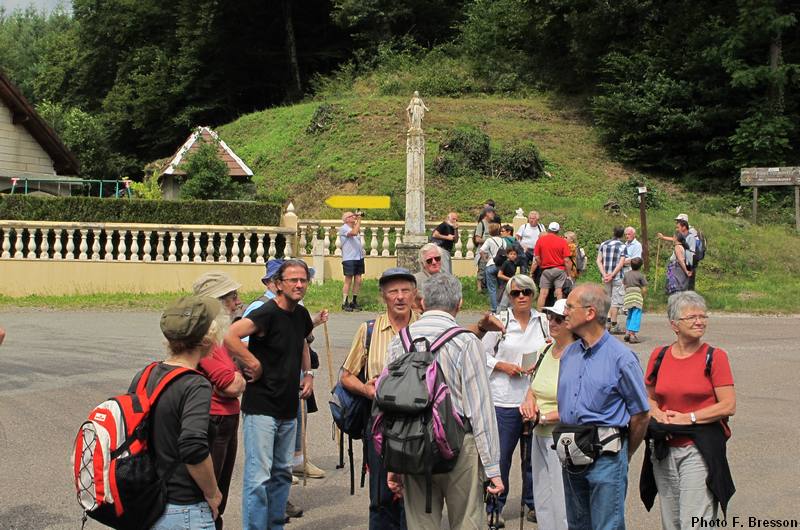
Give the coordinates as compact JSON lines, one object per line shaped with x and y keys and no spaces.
{"x":445,"y":235}
{"x":277,"y":352}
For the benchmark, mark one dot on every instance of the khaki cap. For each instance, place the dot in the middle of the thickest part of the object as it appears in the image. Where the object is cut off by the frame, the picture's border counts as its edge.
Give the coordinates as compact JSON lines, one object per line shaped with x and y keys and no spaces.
{"x":214,"y":284}
{"x":189,"y":318}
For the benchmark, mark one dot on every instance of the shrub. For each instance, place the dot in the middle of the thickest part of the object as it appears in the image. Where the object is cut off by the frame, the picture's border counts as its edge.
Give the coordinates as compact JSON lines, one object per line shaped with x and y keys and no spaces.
{"x":518,"y":161}
{"x":97,"y":210}
{"x":463,"y":150}
{"x":207,"y":175}
{"x":627,"y":193}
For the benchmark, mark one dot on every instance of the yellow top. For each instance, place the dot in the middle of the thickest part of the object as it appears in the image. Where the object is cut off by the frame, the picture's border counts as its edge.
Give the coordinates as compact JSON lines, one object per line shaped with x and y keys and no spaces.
{"x":545,"y":388}
{"x":382,"y":335}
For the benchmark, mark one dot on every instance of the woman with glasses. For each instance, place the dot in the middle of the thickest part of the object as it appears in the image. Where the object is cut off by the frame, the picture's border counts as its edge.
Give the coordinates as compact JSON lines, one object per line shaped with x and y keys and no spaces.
{"x":430,"y":262}
{"x":507,"y":355}
{"x":541,"y":407}
{"x":690,"y":387}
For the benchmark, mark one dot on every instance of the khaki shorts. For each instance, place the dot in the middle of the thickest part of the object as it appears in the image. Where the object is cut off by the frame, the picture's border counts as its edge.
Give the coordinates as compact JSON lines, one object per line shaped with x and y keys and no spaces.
{"x":553,"y":277}
{"x":616,"y":292}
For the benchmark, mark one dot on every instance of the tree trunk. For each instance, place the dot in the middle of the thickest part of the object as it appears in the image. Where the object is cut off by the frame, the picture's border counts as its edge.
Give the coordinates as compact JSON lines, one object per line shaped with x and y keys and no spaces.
{"x":776,"y":84}
{"x":295,"y":88}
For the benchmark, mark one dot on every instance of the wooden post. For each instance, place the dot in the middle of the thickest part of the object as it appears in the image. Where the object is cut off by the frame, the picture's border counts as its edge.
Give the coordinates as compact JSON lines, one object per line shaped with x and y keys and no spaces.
{"x":643,"y":221}
{"x":755,"y":204}
{"x":797,"y":208}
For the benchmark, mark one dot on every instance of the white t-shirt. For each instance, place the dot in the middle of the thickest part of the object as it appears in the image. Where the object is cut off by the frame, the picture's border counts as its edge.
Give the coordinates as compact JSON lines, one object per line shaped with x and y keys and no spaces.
{"x":530,"y":234}
{"x":351,"y":245}
{"x":510,"y":391}
{"x":492,"y":245}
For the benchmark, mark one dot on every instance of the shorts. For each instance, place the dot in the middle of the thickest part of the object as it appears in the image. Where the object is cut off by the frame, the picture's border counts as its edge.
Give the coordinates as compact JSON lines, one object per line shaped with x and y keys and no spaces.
{"x":353,"y":267}
{"x":553,"y":277}
{"x":616,"y":291}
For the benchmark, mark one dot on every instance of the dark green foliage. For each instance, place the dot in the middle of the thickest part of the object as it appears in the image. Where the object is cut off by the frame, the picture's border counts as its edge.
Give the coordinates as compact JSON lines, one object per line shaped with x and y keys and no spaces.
{"x":627,"y":193}
{"x":463,"y":150}
{"x":97,"y":210}
{"x":207,"y":175}
{"x":518,"y":161}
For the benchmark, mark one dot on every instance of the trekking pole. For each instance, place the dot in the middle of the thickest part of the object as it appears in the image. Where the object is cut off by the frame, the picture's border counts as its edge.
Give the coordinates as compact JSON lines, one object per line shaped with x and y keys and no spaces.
{"x":523,"y":459}
{"x":658,"y":255}
{"x":336,"y":432}
{"x":303,"y":417}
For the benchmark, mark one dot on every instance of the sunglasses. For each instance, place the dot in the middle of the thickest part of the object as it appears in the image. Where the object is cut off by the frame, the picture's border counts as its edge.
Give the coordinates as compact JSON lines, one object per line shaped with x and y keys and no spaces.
{"x":435,"y":259}
{"x":559,"y":319}
{"x":515,"y":293}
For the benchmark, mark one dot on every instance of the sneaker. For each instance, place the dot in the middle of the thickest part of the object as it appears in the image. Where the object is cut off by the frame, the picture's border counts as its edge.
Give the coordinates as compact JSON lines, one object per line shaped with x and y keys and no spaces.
{"x":635,"y":339}
{"x":347,"y":306}
{"x":355,"y":307}
{"x":499,"y":521}
{"x":627,"y":337}
{"x":293,"y":511}
{"x":295,"y":481}
{"x":531,"y":517}
{"x":616,"y":330}
{"x":312,"y":471}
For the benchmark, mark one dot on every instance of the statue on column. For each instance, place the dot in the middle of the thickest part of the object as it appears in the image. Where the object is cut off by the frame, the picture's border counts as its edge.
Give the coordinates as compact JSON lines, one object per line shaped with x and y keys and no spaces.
{"x":416,"y":111}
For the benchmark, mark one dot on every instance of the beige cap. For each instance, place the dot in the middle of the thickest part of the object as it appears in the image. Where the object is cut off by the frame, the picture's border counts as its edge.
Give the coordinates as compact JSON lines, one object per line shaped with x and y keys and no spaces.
{"x":214,"y":284}
{"x":682,"y":217}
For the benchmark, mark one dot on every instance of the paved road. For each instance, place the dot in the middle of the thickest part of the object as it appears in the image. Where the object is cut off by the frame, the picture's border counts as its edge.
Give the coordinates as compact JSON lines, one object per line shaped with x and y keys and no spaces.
{"x":56,"y":366}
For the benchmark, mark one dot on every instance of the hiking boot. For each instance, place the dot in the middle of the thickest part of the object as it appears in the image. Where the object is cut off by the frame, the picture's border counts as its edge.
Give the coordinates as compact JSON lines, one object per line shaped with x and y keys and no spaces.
{"x":347,"y":306}
{"x":531,"y":517}
{"x":627,"y":337}
{"x":634,"y":339}
{"x":293,"y":511}
{"x":355,"y":307}
{"x":616,"y":330}
{"x":312,"y":471}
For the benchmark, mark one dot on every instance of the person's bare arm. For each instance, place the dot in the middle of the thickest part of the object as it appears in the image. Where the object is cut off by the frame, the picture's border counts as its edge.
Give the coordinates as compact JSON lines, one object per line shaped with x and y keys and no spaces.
{"x":235,"y":389}
{"x":238,"y":350}
{"x":723,"y":408}
{"x":353,"y":384}
{"x":307,"y":385}
{"x":203,"y":476}
{"x":637,"y":430}
{"x":655,"y":412}
{"x":2,"y":335}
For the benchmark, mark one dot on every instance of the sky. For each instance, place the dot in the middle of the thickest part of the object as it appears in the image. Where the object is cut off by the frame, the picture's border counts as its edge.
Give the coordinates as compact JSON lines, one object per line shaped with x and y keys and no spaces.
{"x":45,"y":5}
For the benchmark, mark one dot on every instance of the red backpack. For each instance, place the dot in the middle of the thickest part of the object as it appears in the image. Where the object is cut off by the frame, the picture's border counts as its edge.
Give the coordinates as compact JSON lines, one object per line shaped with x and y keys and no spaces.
{"x":115,"y":474}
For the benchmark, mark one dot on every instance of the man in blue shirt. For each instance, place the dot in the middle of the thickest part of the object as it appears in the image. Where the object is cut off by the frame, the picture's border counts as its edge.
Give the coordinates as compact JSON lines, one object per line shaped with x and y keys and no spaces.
{"x":600,"y":383}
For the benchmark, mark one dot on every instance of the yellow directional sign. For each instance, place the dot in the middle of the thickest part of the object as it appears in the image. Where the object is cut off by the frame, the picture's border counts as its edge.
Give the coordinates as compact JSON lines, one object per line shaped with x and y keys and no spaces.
{"x":360,"y":202}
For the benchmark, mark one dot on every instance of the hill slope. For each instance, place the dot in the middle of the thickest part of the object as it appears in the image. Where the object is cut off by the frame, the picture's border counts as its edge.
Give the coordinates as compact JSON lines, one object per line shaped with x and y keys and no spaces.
{"x":362,"y":150}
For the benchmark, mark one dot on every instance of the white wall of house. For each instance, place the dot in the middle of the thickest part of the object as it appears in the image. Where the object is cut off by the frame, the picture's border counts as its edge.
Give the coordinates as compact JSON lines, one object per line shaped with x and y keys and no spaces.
{"x":20,"y":153}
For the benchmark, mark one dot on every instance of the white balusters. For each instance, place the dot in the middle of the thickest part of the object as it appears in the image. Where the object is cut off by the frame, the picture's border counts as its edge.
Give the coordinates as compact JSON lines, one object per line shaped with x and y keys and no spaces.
{"x":470,"y":248}
{"x":31,"y":247}
{"x":210,"y":247}
{"x":260,"y":248}
{"x":196,"y":247}
{"x":57,"y":243}
{"x":184,"y":247}
{"x":303,"y":240}
{"x":287,"y":249}
{"x":326,"y":240}
{"x":173,"y":247}
{"x":148,"y":248}
{"x":110,"y":244}
{"x":338,"y":251}
{"x":271,"y":252}
{"x":363,"y":239}
{"x":246,"y":250}
{"x":84,"y":245}
{"x":160,"y":246}
{"x":134,"y":245}
{"x":70,"y":244}
{"x":458,"y":247}
{"x":235,"y":248}
{"x":95,"y":244}
{"x":44,"y":248}
{"x":373,"y":242}
{"x":18,"y":245}
{"x":385,"y":243}
{"x":6,"y":243}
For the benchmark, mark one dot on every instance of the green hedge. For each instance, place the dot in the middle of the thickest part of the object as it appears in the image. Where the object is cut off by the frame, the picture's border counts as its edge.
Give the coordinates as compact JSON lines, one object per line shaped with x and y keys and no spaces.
{"x":97,"y":210}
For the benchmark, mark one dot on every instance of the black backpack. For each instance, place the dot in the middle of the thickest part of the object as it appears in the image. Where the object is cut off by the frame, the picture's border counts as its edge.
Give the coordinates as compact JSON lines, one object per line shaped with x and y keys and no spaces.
{"x":651,"y":379}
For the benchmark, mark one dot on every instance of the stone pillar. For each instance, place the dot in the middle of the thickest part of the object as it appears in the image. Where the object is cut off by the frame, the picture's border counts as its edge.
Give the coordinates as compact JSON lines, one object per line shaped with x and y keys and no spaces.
{"x":289,"y":220}
{"x":519,"y":219}
{"x":415,"y":237}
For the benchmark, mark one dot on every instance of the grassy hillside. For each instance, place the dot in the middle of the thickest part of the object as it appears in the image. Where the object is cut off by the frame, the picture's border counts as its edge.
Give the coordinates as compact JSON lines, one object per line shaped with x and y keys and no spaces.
{"x":362,"y":150}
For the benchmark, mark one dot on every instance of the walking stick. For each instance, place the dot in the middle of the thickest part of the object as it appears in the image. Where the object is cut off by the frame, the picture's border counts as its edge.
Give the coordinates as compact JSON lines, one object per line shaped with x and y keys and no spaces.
{"x":303,"y":414}
{"x":658,"y":259}
{"x":524,"y":461}
{"x":336,"y":433}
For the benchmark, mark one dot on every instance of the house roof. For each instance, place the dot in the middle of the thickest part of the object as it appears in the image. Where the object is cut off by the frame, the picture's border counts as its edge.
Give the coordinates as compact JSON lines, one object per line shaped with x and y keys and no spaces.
{"x":236,"y":167}
{"x":23,"y":113}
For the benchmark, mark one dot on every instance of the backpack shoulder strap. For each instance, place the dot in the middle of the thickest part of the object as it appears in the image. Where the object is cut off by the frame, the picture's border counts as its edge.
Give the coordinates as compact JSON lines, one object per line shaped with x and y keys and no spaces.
{"x":142,"y":384}
{"x":657,"y":365}
{"x":709,"y":360}
{"x":545,"y":351}
{"x":405,"y":339}
{"x":166,"y":380}
{"x":442,"y":339}
{"x":368,"y":339}
{"x":541,"y":228}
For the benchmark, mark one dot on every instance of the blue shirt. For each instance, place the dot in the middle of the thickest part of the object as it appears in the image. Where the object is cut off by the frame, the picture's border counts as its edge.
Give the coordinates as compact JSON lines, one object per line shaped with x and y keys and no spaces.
{"x":601,"y":385}
{"x":633,"y":249}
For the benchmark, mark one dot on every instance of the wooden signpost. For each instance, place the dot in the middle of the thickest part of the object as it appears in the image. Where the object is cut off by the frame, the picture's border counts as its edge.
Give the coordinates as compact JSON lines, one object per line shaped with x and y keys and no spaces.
{"x":755,"y":177}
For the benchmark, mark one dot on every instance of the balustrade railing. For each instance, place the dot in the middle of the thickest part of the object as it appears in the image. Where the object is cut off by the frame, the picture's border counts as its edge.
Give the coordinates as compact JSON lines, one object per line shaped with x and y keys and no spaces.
{"x":40,"y":240}
{"x":380,"y":238}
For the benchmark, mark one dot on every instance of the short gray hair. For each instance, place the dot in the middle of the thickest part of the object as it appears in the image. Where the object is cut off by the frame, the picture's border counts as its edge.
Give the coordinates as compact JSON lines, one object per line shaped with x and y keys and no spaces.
{"x":680,"y":301}
{"x":425,"y":248}
{"x":522,"y":281}
{"x":595,"y":295}
{"x":442,"y":291}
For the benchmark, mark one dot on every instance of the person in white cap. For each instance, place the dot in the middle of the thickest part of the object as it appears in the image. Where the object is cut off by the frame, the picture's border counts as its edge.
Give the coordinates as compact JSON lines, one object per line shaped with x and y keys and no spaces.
{"x":551,"y":253}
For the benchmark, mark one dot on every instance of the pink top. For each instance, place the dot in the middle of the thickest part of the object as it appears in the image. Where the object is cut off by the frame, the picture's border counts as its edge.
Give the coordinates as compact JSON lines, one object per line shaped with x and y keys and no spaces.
{"x":221,"y":370}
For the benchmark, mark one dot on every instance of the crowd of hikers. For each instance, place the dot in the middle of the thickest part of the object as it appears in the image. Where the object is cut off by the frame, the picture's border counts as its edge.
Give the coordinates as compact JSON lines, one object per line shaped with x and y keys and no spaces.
{"x":440,"y":407}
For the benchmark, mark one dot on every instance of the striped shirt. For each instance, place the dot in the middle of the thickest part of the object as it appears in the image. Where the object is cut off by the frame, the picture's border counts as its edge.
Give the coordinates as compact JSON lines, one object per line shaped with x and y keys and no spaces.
{"x":375,"y":359}
{"x":464,"y":368}
{"x":612,"y":251}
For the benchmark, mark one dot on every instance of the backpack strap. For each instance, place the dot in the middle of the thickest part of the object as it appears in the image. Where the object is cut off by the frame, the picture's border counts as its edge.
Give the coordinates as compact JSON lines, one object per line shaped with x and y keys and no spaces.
{"x":540,"y":359}
{"x":141,"y":385}
{"x":405,"y":339}
{"x":709,"y":360}
{"x":651,"y":379}
{"x":445,"y":337}
{"x":368,"y":339}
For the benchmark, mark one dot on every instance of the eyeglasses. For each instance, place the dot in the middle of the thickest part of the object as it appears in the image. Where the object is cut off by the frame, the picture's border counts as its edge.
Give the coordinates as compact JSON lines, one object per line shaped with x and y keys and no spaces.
{"x":435,"y":259}
{"x":295,"y":280}
{"x":694,"y":318}
{"x":558,"y":319}
{"x":570,"y":307}
{"x":515,"y":293}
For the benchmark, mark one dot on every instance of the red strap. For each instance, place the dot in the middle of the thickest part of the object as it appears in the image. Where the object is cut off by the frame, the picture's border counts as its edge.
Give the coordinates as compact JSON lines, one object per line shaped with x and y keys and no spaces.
{"x":167,"y":379}
{"x":140,"y":388}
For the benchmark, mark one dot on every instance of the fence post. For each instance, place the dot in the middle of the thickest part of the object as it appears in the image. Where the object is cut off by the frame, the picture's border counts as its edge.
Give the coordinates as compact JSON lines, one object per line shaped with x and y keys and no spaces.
{"x":289,"y":220}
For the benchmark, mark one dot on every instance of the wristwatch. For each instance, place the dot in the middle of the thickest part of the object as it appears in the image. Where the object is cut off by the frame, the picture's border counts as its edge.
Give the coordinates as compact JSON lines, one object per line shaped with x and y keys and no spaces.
{"x":309,"y":372}
{"x":693,"y":418}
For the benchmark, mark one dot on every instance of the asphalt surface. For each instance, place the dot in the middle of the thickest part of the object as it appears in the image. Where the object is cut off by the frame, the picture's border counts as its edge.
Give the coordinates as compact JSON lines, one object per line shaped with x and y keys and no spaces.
{"x":56,"y":366}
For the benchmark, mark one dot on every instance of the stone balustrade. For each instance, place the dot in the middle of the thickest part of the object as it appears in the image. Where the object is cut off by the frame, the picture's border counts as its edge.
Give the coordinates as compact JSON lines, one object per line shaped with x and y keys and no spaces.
{"x":42,"y":240}
{"x":378,"y":237}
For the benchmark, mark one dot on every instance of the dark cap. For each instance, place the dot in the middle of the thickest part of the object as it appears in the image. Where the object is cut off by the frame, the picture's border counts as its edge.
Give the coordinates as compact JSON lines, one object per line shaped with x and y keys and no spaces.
{"x":397,"y":273}
{"x":189,"y":318}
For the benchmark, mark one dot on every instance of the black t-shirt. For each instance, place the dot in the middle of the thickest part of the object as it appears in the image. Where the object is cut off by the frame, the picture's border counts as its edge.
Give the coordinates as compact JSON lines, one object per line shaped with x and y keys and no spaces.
{"x":279,"y":349}
{"x":181,"y":431}
{"x":509,"y":268}
{"x":445,"y":230}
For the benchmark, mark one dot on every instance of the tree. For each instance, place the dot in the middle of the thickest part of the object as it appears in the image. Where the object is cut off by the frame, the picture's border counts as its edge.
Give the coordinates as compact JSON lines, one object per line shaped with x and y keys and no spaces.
{"x":207,"y":175}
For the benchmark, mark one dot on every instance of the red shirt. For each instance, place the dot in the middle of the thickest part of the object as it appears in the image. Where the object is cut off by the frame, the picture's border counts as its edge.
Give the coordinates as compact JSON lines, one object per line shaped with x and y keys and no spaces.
{"x":220,"y":369}
{"x":682,"y":384}
{"x":551,"y":250}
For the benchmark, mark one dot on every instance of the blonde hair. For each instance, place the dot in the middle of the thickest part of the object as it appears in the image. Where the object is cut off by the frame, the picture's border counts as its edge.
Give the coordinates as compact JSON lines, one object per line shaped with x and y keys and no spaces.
{"x":571,"y":237}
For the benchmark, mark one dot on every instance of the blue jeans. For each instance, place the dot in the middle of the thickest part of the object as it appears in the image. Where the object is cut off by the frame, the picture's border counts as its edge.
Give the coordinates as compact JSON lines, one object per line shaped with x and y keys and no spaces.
{"x":595,"y":496}
{"x":634,"y":323}
{"x":185,"y":517}
{"x":268,"y":447}
{"x":491,"y":284}
{"x":509,"y":426}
